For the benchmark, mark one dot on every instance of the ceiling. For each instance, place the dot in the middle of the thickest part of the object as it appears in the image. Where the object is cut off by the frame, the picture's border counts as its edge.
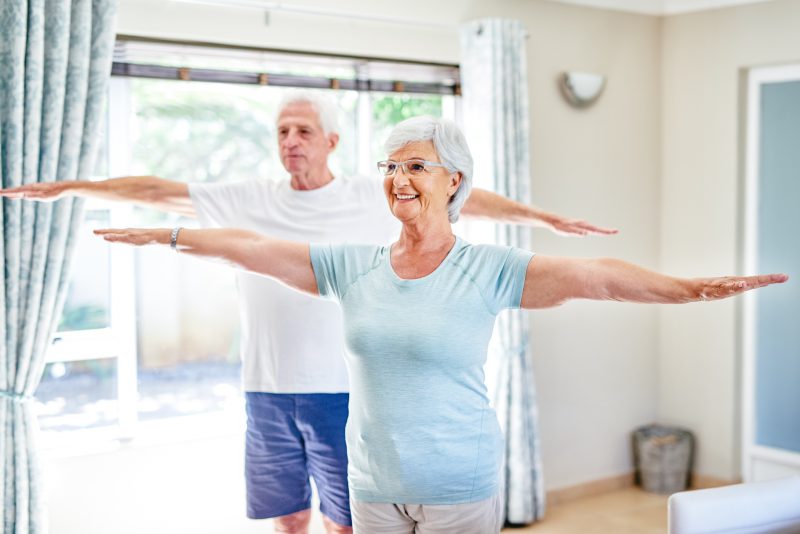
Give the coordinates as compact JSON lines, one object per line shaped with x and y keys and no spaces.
{"x":660,"y":7}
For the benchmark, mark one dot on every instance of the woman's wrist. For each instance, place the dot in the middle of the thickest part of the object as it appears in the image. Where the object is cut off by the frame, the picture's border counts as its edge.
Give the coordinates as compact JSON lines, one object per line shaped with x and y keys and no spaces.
{"x":173,"y":238}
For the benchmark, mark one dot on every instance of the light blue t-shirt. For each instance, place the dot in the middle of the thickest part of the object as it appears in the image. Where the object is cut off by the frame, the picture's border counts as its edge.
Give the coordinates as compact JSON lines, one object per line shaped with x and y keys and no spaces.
{"x":420,"y":429}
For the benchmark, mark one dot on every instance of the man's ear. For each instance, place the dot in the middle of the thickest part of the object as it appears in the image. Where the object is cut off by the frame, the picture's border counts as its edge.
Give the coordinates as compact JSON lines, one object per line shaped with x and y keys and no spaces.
{"x":333,"y":141}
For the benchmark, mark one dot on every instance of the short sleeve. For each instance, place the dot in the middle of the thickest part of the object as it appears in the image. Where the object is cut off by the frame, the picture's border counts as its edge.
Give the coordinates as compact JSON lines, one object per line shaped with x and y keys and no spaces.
{"x":220,"y":205}
{"x":504,"y":289}
{"x":337,"y":267}
{"x":326,"y":260}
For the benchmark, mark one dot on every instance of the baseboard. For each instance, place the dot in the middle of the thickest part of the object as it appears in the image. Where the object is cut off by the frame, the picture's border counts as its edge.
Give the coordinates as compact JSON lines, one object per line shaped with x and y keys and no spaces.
{"x":605,"y":485}
{"x":704,"y":481}
{"x":588,"y":489}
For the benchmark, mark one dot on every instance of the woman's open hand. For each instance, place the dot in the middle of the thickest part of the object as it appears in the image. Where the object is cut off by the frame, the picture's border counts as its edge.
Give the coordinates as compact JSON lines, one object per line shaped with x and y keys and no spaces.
{"x":729,"y":286}
{"x":136,"y":236}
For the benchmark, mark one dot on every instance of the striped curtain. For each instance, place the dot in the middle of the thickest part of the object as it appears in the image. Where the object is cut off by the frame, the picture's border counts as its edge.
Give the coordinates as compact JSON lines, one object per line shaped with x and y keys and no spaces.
{"x":55,"y":60}
{"x":495,"y":104}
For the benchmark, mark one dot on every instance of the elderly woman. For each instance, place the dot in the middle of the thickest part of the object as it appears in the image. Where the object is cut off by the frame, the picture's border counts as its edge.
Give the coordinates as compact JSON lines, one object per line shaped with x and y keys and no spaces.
{"x":424,"y":445}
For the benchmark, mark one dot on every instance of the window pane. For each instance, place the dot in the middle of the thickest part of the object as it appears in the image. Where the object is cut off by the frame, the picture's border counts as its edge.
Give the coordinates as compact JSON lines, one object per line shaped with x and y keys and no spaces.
{"x":390,"y":108}
{"x":205,"y":132}
{"x":189,"y":388}
{"x":88,"y":297}
{"x":187,"y":315}
{"x":75,"y":395}
{"x":187,"y":319}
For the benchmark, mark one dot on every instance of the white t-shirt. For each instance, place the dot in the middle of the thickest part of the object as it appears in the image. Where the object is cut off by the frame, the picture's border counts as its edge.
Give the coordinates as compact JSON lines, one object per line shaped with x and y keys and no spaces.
{"x":292,"y":342}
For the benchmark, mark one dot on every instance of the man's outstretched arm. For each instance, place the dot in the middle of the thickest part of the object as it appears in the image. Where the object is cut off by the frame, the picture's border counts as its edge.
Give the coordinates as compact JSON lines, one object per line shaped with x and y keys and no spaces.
{"x":484,"y":204}
{"x":150,"y":191}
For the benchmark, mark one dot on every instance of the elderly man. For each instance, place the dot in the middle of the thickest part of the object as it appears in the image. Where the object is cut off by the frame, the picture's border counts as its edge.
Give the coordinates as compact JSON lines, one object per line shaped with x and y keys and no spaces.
{"x":295,"y":379}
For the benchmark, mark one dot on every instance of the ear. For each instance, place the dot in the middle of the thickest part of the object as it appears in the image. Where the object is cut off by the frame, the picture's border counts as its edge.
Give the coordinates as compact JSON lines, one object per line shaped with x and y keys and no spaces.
{"x":333,"y":141}
{"x":455,"y":182}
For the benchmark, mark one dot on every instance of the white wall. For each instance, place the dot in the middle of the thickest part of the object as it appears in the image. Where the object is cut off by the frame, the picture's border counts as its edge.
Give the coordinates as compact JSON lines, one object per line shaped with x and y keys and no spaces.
{"x":703,"y":57}
{"x":596,"y":363}
{"x":290,"y":31}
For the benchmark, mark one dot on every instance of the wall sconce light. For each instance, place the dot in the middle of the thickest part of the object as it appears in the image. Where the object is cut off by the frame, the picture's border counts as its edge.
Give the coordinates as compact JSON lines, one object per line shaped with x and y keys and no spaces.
{"x":581,"y":89}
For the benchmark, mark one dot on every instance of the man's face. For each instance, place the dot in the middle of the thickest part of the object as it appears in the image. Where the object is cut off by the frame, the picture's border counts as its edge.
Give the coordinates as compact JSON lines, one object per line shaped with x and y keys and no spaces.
{"x":304,"y":146}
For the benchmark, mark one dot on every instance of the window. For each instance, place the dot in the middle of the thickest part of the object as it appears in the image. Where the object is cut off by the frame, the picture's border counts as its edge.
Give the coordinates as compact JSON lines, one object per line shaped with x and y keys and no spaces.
{"x":146,"y":334}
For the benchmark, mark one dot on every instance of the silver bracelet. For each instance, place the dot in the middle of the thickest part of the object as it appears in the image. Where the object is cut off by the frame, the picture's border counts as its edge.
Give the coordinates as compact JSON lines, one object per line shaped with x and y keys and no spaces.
{"x":173,"y":238}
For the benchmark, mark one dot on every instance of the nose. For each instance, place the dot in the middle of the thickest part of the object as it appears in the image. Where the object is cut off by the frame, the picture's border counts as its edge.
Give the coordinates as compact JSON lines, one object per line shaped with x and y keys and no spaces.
{"x":400,"y":179}
{"x":290,"y":139}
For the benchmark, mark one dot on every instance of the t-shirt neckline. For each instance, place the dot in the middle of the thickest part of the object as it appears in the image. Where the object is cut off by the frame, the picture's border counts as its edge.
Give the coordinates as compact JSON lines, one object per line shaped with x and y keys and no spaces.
{"x":326,"y":189}
{"x":411,"y":281}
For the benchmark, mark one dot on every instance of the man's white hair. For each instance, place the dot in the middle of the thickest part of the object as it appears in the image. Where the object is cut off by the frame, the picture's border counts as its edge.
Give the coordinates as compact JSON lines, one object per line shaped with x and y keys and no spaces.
{"x":451,"y":147}
{"x":326,"y":108}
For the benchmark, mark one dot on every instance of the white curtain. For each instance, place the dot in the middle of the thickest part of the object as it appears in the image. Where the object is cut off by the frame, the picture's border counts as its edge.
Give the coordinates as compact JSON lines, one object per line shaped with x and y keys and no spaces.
{"x":495,"y":105}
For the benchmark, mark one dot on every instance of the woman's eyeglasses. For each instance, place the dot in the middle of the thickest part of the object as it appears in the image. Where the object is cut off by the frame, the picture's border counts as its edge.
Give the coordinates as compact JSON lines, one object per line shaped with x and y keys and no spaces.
{"x":412,"y":167}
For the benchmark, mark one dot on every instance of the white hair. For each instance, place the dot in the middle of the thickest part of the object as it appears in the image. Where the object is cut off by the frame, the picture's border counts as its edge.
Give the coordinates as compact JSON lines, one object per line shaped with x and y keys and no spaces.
{"x":450,"y":145}
{"x":326,"y":108}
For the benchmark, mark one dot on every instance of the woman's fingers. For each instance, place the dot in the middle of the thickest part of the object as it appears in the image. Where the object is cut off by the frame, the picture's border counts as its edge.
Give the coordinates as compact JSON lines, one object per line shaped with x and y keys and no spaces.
{"x":746,"y":283}
{"x":109,"y":231}
{"x":116,"y":235}
{"x":766,"y":279}
{"x":720,"y":288}
{"x":135,"y":236}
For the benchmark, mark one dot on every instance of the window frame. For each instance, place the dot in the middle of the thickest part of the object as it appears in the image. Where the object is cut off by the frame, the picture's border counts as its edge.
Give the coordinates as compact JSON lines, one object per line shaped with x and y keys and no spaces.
{"x":119,"y":340}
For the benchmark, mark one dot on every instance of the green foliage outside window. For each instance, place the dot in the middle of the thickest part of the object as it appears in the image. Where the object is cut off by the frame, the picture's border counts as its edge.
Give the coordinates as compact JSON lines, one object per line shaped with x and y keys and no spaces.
{"x":389,"y":109}
{"x":86,"y":317}
{"x":217,"y":134}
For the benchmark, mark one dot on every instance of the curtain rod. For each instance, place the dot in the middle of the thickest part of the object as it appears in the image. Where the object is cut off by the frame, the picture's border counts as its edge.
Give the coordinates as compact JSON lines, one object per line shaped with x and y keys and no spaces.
{"x":137,"y":70}
{"x":315,"y":11}
{"x":310,"y":53}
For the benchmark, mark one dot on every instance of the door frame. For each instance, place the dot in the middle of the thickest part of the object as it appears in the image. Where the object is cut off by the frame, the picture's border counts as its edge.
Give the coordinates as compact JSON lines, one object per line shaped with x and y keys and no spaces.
{"x":758,"y":461}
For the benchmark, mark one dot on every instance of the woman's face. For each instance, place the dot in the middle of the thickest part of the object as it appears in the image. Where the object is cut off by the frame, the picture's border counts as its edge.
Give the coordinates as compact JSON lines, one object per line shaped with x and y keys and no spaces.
{"x":424,"y":196}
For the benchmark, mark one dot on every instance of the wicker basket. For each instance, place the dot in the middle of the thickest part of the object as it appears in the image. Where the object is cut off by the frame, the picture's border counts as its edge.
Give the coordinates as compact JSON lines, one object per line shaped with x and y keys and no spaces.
{"x":663,"y":458}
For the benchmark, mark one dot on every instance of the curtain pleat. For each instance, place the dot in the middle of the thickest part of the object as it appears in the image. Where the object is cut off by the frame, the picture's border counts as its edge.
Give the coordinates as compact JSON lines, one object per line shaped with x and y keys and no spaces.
{"x":55,"y":61}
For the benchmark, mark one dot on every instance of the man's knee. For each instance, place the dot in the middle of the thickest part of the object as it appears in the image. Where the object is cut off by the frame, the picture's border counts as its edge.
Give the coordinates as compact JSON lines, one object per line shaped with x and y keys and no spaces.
{"x":332,"y":527}
{"x":296,"y":523}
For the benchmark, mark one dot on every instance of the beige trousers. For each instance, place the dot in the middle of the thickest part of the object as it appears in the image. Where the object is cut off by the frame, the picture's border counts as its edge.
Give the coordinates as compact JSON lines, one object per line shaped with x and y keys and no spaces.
{"x":482,"y":517}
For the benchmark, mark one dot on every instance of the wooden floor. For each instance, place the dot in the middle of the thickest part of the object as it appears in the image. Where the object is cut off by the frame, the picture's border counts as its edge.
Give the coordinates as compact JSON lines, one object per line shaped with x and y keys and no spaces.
{"x":629,"y":510}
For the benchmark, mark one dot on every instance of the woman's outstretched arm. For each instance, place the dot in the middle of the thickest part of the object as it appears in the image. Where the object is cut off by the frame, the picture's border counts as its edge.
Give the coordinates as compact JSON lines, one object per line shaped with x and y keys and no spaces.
{"x":286,"y":261}
{"x":551,"y":281}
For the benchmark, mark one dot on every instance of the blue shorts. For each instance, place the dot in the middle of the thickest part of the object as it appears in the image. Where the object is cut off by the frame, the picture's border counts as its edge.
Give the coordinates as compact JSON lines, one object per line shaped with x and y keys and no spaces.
{"x":291,"y":437}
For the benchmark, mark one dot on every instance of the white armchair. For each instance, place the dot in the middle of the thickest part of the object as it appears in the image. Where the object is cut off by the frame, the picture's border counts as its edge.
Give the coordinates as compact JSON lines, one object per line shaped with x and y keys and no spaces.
{"x":758,"y":507}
